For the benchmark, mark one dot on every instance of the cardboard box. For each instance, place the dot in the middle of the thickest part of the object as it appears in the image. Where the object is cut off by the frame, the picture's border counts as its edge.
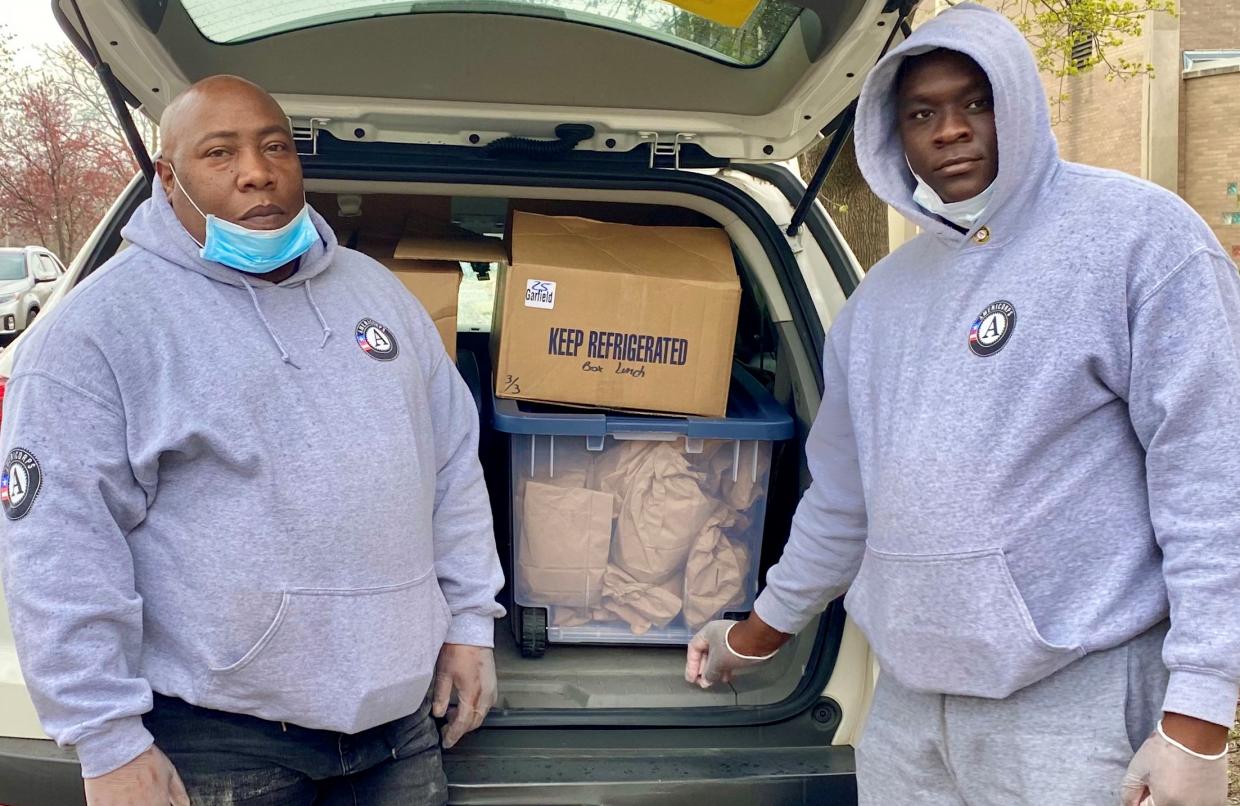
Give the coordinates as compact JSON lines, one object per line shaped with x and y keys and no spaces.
{"x":616,"y":315}
{"x":437,"y":244}
{"x":383,"y":216}
{"x":651,"y":215}
{"x":429,"y":239}
{"x":436,"y":284}
{"x":376,"y":231}
{"x":424,"y":251}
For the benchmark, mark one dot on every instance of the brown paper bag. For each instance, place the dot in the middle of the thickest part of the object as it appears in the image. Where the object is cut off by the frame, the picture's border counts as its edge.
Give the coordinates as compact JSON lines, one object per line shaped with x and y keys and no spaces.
{"x":662,"y":511}
{"x":564,"y":545}
{"x":642,"y":604}
{"x":720,"y":461}
{"x":564,"y":617}
{"x":715,"y":572}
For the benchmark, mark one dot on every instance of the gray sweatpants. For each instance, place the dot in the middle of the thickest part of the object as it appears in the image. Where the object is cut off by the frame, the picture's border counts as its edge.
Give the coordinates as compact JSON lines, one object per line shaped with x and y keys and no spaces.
{"x":1065,"y":740}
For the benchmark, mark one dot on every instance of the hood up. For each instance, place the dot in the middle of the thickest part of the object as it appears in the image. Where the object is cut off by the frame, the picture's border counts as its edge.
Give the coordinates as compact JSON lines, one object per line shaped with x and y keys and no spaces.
{"x":1027,"y":150}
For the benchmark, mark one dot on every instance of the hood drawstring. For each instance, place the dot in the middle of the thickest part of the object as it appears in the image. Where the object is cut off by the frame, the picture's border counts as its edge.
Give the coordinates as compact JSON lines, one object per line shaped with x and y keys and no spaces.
{"x":327,"y":331}
{"x":284,"y":356}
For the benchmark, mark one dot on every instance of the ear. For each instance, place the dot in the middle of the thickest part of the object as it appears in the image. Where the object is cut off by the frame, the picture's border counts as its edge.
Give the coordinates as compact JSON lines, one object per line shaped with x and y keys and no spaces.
{"x":163,"y":172}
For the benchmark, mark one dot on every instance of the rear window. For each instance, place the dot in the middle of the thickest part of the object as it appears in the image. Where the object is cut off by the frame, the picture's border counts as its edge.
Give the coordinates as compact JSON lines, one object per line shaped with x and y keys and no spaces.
{"x":230,"y":21}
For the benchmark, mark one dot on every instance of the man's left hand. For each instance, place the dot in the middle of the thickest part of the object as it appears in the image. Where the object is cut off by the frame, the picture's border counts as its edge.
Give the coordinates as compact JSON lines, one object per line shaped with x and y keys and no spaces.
{"x":1182,"y":764}
{"x":471,"y":671}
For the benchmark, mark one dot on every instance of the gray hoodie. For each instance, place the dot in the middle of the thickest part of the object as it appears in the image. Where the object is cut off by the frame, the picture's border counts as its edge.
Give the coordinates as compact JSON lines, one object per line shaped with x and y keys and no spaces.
{"x":261,"y":499}
{"x":1029,"y":442}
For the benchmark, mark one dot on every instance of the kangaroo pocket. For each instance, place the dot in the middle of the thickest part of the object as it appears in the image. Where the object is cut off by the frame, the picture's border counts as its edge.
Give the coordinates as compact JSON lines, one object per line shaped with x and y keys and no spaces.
{"x":340,"y":660}
{"x":951,"y":623}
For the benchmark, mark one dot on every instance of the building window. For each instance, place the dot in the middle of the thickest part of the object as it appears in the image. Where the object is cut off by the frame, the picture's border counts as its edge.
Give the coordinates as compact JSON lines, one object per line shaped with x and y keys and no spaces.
{"x":1083,"y":48}
{"x":1210,"y":62}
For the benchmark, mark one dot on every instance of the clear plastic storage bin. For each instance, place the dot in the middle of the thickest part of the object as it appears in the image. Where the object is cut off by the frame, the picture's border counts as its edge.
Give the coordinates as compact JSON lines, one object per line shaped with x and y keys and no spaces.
{"x":636,"y":529}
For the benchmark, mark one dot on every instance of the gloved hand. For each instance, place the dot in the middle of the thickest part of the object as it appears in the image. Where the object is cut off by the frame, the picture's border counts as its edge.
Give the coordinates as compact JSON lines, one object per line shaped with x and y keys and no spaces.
{"x":471,"y":671}
{"x":148,"y":780}
{"x":1165,"y":773}
{"x":712,"y":660}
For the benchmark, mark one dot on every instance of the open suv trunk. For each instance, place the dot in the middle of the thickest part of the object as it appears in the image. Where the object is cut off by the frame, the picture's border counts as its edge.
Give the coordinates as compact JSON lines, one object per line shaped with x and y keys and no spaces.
{"x":584,"y":724}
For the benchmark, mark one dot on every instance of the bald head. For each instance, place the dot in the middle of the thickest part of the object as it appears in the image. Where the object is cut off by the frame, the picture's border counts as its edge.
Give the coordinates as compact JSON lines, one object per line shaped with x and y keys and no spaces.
{"x":203,"y":102}
{"x":227,"y":148}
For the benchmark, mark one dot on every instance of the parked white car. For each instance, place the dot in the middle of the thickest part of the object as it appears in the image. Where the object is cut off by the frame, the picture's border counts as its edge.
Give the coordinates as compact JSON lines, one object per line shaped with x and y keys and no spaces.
{"x":28,"y":276}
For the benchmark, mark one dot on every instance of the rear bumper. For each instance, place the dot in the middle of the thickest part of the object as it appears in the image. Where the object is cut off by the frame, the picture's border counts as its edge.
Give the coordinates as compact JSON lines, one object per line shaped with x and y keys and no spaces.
{"x":812,"y":776}
{"x":35,"y":772}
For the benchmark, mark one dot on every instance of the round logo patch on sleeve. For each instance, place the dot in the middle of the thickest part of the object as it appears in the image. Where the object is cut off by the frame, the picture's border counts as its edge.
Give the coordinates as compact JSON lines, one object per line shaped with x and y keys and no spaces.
{"x":992,"y":328}
{"x":376,"y":340}
{"x":20,"y":484}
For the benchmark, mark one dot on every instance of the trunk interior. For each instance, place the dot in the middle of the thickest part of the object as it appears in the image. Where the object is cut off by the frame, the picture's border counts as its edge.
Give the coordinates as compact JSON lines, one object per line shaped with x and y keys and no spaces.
{"x":576,"y":680}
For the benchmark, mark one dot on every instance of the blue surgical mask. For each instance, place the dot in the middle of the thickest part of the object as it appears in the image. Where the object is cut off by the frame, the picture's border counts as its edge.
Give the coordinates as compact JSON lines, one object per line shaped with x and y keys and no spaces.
{"x":254,"y":251}
{"x":963,"y":214}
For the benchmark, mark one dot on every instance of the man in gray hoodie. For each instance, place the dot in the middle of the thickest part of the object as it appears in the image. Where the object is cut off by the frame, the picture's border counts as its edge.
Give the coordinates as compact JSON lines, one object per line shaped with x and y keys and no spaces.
{"x":1026,"y":462}
{"x":246,"y":525}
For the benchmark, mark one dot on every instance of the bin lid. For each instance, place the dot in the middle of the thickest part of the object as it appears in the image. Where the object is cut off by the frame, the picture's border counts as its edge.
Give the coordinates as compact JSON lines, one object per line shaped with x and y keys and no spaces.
{"x":753,"y":414}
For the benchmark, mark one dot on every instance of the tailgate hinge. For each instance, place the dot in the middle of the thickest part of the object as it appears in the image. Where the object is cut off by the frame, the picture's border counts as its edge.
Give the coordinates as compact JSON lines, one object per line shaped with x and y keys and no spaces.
{"x":662,"y":148}
{"x":308,"y":134}
{"x":795,"y":238}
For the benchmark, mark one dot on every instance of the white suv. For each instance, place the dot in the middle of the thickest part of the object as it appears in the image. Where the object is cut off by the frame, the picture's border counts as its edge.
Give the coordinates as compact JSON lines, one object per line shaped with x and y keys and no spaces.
{"x":28,"y":276}
{"x":633,"y":106}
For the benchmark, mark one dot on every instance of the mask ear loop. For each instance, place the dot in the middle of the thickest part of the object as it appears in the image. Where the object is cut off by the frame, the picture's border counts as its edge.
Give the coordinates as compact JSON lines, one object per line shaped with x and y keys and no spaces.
{"x":198,"y":209}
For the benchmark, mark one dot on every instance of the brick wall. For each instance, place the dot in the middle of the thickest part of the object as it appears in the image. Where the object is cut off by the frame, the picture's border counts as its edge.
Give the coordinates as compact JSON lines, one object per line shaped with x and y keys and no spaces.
{"x":1210,"y":151}
{"x":1209,"y":24}
{"x":1100,"y":122}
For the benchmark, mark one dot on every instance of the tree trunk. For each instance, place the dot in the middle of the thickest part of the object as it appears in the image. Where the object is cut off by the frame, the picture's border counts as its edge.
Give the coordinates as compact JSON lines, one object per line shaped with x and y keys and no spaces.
{"x":860,"y":215}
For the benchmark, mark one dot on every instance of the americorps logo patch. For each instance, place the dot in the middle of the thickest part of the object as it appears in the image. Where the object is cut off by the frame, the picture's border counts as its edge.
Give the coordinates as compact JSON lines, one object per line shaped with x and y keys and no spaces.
{"x":376,"y":340}
{"x":992,"y":328}
{"x":20,"y":484}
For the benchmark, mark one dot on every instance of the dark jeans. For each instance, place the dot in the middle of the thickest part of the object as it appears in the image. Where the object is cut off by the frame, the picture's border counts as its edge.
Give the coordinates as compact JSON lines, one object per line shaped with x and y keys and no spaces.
{"x":228,"y":758}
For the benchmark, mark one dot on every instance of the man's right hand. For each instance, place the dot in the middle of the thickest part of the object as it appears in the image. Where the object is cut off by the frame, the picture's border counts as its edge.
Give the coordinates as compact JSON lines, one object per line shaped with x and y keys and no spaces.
{"x":723,"y":648}
{"x":148,"y":780}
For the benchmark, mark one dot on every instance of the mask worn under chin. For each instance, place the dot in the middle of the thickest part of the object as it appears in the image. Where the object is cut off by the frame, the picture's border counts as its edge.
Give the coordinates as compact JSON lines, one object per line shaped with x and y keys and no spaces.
{"x":962,"y":213}
{"x":254,"y":251}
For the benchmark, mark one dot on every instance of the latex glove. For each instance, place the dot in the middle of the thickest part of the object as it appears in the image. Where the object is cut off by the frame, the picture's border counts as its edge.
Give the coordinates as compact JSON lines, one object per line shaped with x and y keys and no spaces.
{"x":148,"y":780}
{"x":470,"y":670}
{"x":1165,"y":773}
{"x":712,"y":660}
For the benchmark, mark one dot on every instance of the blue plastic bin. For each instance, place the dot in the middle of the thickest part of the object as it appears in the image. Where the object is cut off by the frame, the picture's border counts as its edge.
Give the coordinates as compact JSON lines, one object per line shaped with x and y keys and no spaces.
{"x":636,"y":529}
